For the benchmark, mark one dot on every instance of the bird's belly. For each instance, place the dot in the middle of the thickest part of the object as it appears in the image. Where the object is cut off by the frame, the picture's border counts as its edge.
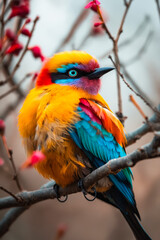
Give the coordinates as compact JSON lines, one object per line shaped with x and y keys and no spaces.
{"x":66,"y":163}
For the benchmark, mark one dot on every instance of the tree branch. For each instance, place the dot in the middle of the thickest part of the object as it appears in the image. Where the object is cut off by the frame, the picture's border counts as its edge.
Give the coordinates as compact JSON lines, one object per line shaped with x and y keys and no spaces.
{"x":145,"y":100}
{"x":9,"y":218}
{"x":16,"y":86}
{"x":151,"y":125}
{"x":28,"y":198}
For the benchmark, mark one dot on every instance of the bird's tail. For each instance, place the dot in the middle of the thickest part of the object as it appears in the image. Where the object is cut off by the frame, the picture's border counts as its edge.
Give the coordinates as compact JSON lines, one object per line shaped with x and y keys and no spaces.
{"x":136,"y":227}
{"x":117,"y":200}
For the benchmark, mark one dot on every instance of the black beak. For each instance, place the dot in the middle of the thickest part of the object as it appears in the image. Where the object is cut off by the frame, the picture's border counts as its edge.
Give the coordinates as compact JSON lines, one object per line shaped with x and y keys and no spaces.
{"x":99,"y":72}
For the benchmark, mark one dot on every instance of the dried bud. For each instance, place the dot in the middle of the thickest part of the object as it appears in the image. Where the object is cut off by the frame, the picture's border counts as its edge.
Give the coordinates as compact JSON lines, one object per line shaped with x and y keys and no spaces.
{"x":97,"y":24}
{"x":93,"y":5}
{"x":37,"y":53}
{"x":37,"y":156}
{"x":26,"y":32}
{"x":97,"y":29}
{"x":37,"y":18}
{"x":1,"y":162}
{"x":15,"y":49}
{"x":2,"y":127}
{"x":10,"y":35}
{"x":28,"y":20}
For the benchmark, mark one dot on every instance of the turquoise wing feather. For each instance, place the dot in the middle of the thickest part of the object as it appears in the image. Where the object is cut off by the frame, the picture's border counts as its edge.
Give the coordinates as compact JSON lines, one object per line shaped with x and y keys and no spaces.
{"x":100,"y":146}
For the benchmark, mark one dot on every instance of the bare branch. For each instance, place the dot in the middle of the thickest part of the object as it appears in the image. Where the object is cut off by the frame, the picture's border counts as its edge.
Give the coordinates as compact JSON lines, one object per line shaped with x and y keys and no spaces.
{"x":25,"y":48}
{"x":146,"y":102}
{"x":12,"y":81}
{"x":28,"y":198}
{"x":134,"y":84}
{"x":76,"y":24}
{"x":2,"y":18}
{"x":23,"y":53}
{"x":115,"y":50}
{"x":10,"y":156}
{"x":15,"y":87}
{"x":158,"y":7}
{"x":134,"y":36}
{"x":9,"y":218}
{"x":142,"y":50}
{"x":152,"y":124}
{"x":9,"y":192}
{"x":132,"y":99}
{"x":47,"y":192}
{"x":120,"y":30}
{"x":11,"y":107}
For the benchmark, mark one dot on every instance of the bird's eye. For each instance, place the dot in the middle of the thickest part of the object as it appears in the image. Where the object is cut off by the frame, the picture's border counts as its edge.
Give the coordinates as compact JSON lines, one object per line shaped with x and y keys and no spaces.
{"x":72,"y":73}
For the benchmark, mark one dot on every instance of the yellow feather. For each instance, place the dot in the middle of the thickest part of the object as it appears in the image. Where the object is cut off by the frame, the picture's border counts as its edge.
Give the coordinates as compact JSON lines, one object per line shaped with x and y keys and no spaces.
{"x":65,"y":58}
{"x":43,"y":122}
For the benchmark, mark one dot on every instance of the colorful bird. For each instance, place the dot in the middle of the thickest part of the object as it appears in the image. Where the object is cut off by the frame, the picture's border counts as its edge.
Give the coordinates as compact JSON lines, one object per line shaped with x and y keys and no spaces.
{"x":66,"y":119}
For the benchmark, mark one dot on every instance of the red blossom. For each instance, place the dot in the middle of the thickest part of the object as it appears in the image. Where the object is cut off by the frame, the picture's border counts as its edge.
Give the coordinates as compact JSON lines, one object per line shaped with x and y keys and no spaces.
{"x":2,"y":127}
{"x":15,"y":48}
{"x":36,"y":157}
{"x":19,"y":8}
{"x":37,"y":52}
{"x":97,"y":24}
{"x":1,"y":162}
{"x":10,"y":35}
{"x":28,"y":20}
{"x":26,"y":32}
{"x":93,"y":5}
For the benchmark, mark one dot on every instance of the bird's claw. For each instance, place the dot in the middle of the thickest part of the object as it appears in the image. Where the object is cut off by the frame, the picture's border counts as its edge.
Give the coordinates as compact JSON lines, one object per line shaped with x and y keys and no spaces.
{"x":81,"y":186}
{"x":56,"y":189}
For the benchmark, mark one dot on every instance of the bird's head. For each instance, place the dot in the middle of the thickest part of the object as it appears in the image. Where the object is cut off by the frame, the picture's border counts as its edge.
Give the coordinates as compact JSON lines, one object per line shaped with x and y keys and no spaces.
{"x":75,"y":68}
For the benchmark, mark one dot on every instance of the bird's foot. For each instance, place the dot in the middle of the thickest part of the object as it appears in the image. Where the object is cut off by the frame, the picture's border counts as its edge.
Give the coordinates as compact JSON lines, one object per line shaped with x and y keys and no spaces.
{"x":56,"y":189}
{"x":81,"y":186}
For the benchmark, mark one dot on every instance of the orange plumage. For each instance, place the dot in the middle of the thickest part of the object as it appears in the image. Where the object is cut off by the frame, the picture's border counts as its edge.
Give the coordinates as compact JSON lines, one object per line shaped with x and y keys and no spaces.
{"x":49,"y":111}
{"x":66,"y":119}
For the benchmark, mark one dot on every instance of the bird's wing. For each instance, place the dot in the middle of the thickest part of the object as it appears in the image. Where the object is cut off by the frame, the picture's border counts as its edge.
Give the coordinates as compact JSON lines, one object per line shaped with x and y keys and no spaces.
{"x":101,"y":136}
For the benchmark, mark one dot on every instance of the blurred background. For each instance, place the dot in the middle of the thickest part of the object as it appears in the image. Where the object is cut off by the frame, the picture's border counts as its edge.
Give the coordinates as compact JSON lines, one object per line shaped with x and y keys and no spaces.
{"x":91,"y":220}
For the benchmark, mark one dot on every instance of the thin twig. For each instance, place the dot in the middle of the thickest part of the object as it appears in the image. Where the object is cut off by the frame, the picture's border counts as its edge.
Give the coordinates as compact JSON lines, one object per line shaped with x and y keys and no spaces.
{"x":128,"y":41}
{"x":142,"y":50}
{"x":115,"y":49}
{"x":84,"y":40}
{"x":134,"y":84}
{"x":158,"y":7}
{"x":3,"y":82}
{"x":76,"y":24}
{"x":25,"y":48}
{"x":24,"y":51}
{"x":15,"y":87}
{"x":146,"y":102}
{"x":12,"y":82}
{"x":132,"y":99}
{"x":10,"y":156}
{"x":152,"y":124}
{"x":11,"y":107}
{"x":10,"y":193}
{"x":2,"y":18}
